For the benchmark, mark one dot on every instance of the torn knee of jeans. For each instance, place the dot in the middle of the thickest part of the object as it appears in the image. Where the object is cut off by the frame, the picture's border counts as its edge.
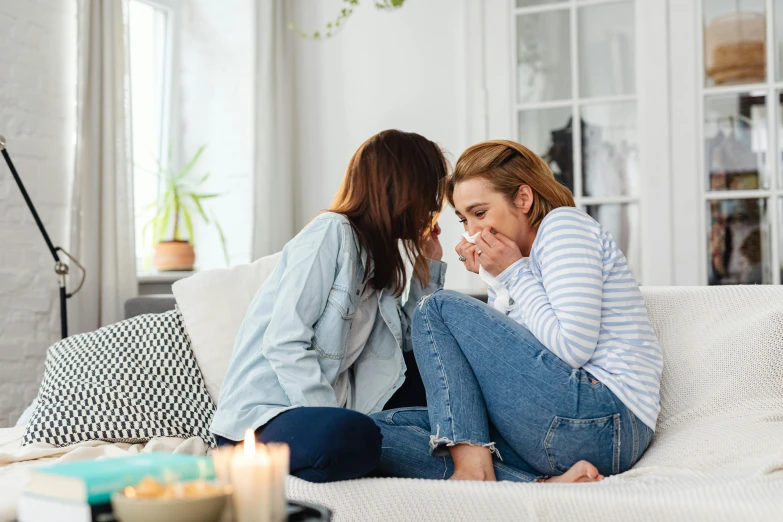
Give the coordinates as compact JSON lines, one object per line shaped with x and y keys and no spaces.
{"x":437,"y":444}
{"x":540,"y":356}
{"x":574,"y":377}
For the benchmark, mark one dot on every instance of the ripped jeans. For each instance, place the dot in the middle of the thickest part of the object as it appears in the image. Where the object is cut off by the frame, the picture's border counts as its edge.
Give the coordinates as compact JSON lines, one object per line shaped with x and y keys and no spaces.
{"x":490,"y":382}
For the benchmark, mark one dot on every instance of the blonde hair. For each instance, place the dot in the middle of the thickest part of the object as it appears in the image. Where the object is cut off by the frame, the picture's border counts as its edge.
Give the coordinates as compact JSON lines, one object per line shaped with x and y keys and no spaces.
{"x":508,"y":165}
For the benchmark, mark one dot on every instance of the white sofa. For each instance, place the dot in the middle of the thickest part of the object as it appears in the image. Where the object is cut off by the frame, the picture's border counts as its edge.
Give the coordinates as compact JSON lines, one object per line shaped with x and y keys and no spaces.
{"x":717,"y":453}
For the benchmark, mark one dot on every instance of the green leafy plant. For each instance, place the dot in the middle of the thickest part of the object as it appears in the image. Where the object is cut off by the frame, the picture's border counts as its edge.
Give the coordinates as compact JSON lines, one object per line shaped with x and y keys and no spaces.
{"x":181,"y":200}
{"x":333,"y":26}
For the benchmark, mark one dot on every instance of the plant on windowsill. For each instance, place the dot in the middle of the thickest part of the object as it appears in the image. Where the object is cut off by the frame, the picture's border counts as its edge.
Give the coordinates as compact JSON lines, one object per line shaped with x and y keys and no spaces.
{"x":181,"y":200}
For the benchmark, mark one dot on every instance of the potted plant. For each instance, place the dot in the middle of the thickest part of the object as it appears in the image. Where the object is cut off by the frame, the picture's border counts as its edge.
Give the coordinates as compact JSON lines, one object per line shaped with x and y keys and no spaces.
{"x":180,"y":202}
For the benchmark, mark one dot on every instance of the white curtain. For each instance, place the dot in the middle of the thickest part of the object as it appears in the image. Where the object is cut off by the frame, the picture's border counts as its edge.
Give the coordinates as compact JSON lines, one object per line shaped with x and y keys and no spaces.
{"x":102,"y":197}
{"x":273,"y":192}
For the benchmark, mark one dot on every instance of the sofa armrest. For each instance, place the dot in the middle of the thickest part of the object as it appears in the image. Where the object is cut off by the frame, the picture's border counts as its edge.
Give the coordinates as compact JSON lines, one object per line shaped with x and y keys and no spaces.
{"x":149,"y":304}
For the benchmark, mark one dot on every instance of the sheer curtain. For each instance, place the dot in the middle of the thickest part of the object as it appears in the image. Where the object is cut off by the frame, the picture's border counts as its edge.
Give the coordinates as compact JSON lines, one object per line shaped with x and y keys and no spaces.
{"x":273,"y":193}
{"x":102,"y":196}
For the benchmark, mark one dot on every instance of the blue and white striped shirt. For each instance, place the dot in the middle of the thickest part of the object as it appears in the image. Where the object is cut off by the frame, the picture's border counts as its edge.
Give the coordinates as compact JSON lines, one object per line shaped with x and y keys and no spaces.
{"x":577,"y":295}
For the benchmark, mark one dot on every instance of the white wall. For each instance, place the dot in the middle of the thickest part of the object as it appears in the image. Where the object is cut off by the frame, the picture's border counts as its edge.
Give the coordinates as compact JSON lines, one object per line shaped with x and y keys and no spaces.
{"x":37,"y":116}
{"x":400,"y":69}
{"x":213,"y":77}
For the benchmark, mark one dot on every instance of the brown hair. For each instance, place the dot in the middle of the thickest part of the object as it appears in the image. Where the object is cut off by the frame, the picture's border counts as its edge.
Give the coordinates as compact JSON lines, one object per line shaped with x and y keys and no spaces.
{"x":392,"y":191}
{"x":507,"y":165}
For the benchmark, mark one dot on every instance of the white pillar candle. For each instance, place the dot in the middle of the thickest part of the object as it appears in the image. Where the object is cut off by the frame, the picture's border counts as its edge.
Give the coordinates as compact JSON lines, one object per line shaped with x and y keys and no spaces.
{"x":257,"y":474}
{"x":280,"y":457}
{"x":251,"y":479}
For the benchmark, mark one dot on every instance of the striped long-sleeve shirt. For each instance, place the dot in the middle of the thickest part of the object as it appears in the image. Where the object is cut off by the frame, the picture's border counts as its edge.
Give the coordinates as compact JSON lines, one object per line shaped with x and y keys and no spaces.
{"x":577,"y":295}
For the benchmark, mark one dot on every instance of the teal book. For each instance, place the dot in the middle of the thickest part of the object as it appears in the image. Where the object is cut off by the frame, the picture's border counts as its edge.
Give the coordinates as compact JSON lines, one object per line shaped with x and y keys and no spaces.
{"x":93,"y":481}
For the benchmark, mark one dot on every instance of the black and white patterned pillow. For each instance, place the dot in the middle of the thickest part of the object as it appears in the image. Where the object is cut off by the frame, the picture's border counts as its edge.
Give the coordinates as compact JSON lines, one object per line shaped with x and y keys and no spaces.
{"x":127,"y":382}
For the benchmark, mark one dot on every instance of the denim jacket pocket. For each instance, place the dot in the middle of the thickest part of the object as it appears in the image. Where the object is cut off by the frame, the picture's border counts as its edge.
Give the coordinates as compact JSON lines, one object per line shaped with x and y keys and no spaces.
{"x":595,"y":440}
{"x":330,"y":334}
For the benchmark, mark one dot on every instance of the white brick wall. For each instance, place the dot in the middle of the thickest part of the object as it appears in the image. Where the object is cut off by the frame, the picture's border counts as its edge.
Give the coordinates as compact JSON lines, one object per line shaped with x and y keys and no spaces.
{"x":37,"y":117}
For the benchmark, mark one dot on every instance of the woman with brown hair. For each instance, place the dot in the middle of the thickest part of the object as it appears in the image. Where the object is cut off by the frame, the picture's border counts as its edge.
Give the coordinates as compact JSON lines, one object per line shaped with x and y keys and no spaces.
{"x":558,"y":376}
{"x":322,"y":342}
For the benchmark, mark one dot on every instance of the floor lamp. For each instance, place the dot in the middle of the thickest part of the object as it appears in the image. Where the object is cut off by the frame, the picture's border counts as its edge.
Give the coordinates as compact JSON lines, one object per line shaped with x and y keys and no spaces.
{"x":60,"y":268}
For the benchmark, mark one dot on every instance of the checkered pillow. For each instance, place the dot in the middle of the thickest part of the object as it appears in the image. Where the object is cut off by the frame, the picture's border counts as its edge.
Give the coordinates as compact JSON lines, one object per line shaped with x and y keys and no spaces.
{"x":128,"y":382}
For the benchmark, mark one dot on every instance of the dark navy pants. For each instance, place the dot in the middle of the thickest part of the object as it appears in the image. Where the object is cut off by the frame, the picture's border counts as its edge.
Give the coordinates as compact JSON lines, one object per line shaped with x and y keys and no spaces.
{"x":327,"y":444}
{"x":330,"y":444}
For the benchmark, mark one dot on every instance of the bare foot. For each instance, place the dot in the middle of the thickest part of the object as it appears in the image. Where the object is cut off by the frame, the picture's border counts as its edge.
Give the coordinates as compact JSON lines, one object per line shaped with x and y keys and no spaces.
{"x":472,"y":463}
{"x":582,"y":471}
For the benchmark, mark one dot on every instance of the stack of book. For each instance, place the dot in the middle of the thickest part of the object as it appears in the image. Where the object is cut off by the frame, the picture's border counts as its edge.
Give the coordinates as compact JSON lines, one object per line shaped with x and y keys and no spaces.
{"x":81,"y":491}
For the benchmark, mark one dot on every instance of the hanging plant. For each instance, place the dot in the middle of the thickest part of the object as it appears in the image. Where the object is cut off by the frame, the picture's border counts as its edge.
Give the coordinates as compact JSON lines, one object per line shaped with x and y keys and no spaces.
{"x":339,"y":21}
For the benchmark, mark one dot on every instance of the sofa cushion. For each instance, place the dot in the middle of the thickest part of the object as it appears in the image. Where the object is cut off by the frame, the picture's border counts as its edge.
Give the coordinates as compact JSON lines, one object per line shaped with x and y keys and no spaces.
{"x":127,"y":382}
{"x":213,"y":305}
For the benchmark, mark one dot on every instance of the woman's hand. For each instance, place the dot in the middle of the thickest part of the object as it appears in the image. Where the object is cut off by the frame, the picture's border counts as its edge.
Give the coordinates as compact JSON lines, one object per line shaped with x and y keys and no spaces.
{"x":432,"y":247}
{"x":496,"y":252}
{"x":467,"y":251}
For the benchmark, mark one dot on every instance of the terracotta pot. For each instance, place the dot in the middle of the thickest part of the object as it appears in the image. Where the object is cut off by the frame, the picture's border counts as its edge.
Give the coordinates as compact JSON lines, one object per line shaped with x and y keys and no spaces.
{"x":174,"y":256}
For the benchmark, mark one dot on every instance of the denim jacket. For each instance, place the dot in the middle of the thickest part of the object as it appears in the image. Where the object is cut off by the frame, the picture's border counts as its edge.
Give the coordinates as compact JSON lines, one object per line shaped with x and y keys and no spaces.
{"x":292,"y":342}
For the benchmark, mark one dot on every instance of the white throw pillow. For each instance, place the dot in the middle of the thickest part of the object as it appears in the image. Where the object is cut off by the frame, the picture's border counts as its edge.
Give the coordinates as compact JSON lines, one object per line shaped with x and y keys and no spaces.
{"x":213,"y":304}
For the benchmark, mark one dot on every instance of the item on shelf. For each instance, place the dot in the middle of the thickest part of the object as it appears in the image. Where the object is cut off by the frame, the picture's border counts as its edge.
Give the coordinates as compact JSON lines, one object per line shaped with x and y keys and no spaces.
{"x":735,"y":48}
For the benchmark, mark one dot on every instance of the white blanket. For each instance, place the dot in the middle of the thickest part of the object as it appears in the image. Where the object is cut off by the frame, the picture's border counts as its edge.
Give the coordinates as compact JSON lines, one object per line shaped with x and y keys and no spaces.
{"x":717,"y":452}
{"x":664,"y":495}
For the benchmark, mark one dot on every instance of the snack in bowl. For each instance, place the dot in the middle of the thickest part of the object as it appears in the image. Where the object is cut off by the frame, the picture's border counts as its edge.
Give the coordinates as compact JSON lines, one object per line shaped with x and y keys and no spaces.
{"x":151,"y":501}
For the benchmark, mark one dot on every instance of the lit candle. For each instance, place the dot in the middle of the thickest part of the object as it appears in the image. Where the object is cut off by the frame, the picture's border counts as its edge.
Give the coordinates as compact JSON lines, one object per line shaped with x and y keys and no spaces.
{"x":257,"y":474}
{"x":251,"y":478}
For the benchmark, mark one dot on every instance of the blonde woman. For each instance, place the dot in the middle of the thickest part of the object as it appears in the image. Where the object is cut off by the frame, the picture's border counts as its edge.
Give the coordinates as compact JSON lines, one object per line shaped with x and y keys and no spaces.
{"x":557,"y":378}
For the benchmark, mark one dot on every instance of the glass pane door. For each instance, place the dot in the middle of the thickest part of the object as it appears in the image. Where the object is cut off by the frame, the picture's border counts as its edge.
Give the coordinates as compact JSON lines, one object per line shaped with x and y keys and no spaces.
{"x":577,"y":107}
{"x":740,"y":103}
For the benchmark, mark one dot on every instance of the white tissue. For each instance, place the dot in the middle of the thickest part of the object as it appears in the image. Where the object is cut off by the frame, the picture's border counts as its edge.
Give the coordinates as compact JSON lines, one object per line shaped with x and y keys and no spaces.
{"x":502,"y":298}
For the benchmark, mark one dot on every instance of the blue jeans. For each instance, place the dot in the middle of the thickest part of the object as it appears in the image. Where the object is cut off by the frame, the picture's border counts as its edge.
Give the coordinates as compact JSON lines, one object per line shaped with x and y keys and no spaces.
{"x":327,"y":444}
{"x":490,"y":382}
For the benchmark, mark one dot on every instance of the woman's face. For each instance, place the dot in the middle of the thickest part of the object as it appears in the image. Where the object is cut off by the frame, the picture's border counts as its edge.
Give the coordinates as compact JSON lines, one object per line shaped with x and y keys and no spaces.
{"x":478,"y":206}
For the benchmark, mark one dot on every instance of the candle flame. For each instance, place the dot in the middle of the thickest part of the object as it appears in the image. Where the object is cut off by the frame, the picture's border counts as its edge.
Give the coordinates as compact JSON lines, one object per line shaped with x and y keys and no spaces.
{"x":250,"y":444}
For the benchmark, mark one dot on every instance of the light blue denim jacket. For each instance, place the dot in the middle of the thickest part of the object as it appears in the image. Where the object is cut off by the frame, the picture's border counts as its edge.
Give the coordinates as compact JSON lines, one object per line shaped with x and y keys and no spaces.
{"x":293,"y":339}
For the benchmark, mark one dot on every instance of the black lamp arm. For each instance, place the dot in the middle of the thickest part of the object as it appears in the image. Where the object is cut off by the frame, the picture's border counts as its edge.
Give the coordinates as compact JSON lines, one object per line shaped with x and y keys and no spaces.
{"x":60,"y":268}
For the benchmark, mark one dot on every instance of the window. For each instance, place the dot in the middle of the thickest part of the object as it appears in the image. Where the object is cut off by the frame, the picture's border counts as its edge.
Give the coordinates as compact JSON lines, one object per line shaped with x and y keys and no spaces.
{"x":740,"y":97}
{"x":575,"y":61}
{"x":150,"y":68}
{"x":727,"y":140}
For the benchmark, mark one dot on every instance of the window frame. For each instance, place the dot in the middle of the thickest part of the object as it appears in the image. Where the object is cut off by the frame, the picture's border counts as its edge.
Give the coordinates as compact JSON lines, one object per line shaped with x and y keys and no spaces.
{"x":169,"y":113}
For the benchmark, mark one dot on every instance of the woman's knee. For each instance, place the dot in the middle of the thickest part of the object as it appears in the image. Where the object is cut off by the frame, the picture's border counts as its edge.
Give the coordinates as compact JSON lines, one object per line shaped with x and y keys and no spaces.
{"x":350,"y":438}
{"x":429,"y":307}
{"x":445,"y":302}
